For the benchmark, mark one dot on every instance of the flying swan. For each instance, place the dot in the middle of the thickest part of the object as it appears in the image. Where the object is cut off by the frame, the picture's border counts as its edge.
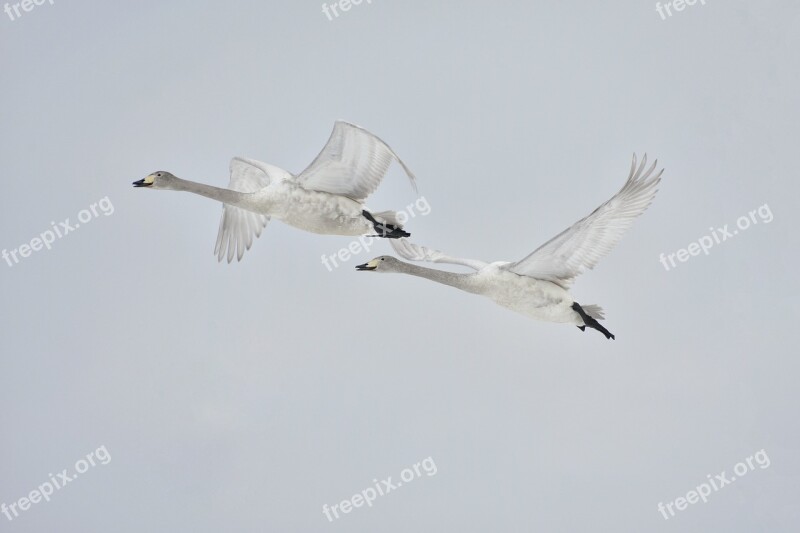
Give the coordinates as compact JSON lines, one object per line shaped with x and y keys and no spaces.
{"x":326,"y":198}
{"x":537,"y":286}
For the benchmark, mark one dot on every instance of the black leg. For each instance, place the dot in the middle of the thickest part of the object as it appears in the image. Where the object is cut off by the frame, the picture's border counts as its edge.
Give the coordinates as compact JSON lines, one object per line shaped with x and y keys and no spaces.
{"x":388,"y":231}
{"x":591,"y":322}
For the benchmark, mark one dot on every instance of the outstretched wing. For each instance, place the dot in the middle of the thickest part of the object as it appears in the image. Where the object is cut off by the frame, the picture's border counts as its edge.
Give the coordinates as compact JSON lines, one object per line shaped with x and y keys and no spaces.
{"x":238,"y":226}
{"x":353,"y":163}
{"x":413,"y":252}
{"x":582,"y":245}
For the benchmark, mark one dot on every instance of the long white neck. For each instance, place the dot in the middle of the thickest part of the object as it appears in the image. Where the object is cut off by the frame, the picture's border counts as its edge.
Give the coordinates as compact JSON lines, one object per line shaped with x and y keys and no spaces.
{"x":226,"y":196}
{"x":465,"y":282}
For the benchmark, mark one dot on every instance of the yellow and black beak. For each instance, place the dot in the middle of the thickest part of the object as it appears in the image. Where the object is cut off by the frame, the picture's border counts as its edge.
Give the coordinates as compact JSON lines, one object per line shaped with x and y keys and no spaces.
{"x":146,"y":182}
{"x":370,"y":265}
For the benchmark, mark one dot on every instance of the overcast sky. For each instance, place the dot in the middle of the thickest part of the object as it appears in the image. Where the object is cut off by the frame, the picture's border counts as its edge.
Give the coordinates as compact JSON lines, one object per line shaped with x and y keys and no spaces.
{"x":244,"y":397}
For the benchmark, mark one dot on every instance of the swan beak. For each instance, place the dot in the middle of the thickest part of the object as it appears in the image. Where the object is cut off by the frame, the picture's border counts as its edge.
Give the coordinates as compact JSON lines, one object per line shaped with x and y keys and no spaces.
{"x":146,"y":182}
{"x":371,"y":265}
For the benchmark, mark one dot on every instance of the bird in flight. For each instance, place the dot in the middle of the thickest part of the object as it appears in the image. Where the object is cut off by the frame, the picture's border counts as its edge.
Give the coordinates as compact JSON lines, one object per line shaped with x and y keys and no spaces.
{"x":326,"y":198}
{"x":538,"y":285}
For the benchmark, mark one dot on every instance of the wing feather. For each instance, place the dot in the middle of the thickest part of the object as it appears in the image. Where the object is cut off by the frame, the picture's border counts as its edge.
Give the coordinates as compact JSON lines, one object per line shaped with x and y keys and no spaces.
{"x":414,"y":252}
{"x":353,"y":163}
{"x":237,"y":226}
{"x":582,"y":245}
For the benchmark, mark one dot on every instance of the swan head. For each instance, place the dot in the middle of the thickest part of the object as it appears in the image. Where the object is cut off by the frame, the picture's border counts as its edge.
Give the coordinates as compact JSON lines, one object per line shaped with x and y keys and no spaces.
{"x":157,"y":180}
{"x":383,"y":263}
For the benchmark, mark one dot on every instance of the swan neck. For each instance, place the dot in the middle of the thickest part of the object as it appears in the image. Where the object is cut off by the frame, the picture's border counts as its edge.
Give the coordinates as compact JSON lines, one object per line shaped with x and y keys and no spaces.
{"x":225,"y":196}
{"x":453,"y":279}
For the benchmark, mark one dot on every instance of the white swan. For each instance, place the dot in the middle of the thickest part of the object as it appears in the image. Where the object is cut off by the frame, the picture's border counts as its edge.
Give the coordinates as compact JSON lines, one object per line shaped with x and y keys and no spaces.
{"x":327,"y":197}
{"x":537,"y":286}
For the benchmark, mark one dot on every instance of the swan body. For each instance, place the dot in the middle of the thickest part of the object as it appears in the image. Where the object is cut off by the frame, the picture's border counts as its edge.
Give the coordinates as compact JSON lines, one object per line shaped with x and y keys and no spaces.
{"x":326,"y":198}
{"x":537,"y":299}
{"x":538,"y":285}
{"x":314,"y":211}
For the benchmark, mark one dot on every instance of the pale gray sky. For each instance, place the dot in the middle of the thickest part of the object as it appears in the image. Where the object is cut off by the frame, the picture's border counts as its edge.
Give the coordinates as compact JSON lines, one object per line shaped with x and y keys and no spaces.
{"x":244,"y":397}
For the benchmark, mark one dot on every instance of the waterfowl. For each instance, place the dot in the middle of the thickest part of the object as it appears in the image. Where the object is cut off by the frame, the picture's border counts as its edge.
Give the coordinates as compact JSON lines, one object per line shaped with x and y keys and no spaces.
{"x":325,"y":198}
{"x":538,"y":285}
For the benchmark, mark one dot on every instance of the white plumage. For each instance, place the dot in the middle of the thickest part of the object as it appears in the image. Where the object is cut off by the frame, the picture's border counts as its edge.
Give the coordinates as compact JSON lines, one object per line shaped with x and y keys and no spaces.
{"x":327,"y":197}
{"x":537,"y":285}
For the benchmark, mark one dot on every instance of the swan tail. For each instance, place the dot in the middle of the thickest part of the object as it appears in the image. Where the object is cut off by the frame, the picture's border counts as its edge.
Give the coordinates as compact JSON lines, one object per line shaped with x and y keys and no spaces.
{"x":594,"y":311}
{"x":590,"y":321}
{"x":388,"y":217}
{"x":386,"y":224}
